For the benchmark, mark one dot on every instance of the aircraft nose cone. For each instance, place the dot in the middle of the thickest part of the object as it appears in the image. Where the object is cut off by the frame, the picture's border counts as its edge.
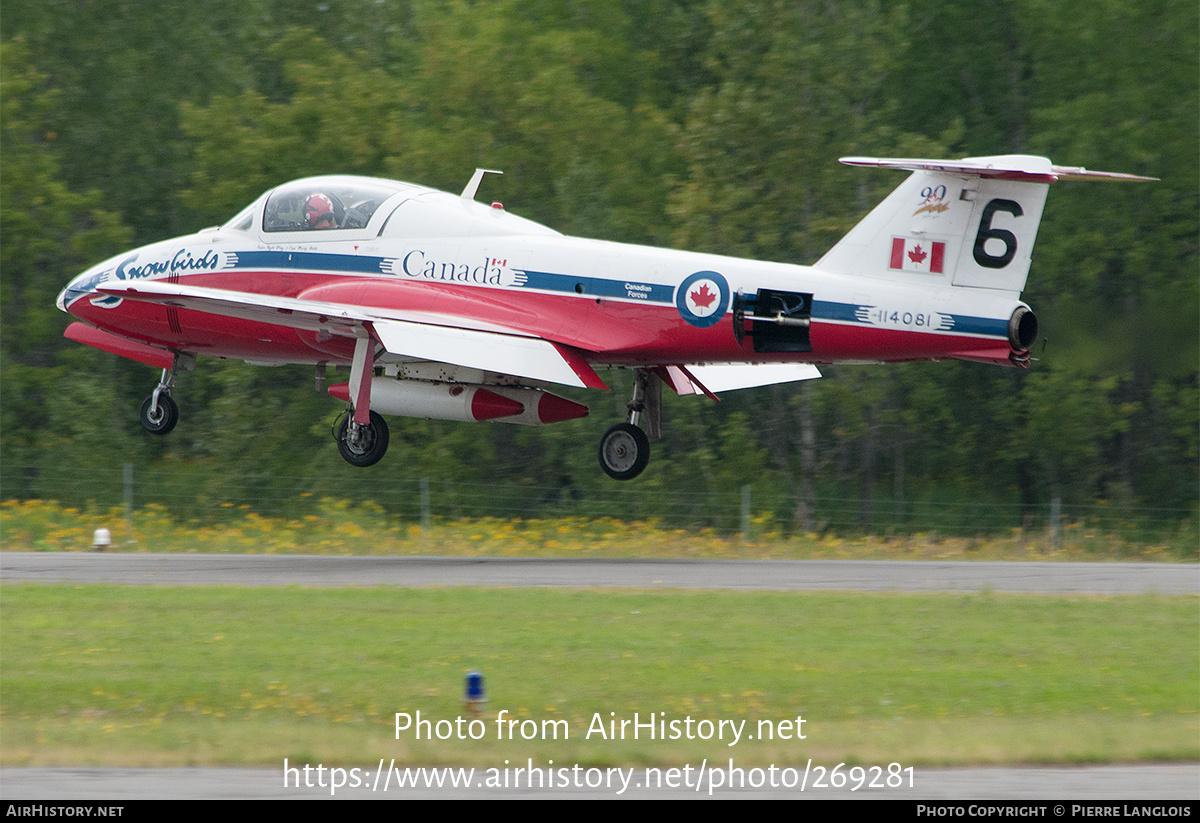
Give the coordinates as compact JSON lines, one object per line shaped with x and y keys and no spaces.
{"x":81,"y":286}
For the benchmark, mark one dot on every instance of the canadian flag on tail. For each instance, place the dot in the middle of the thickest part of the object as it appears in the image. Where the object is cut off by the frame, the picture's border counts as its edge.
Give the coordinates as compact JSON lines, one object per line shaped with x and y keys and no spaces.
{"x":927,"y":256}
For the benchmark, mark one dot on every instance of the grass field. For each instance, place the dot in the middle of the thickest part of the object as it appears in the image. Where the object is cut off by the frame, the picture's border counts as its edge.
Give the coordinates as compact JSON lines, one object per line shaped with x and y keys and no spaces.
{"x":111,"y":675}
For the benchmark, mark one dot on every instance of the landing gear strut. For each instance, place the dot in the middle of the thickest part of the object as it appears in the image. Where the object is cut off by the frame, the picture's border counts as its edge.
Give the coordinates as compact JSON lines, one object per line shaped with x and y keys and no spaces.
{"x":625,"y":448}
{"x":361,"y":434}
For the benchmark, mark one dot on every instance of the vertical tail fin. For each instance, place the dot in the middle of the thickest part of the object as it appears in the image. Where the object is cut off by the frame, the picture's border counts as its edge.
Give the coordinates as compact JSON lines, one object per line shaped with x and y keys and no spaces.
{"x":969,"y":223}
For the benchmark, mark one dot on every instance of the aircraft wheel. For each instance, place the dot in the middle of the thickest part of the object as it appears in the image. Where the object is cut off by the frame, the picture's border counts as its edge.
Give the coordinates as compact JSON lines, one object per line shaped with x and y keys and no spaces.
{"x":372,"y":444}
{"x":162,"y":419}
{"x":624,"y":451}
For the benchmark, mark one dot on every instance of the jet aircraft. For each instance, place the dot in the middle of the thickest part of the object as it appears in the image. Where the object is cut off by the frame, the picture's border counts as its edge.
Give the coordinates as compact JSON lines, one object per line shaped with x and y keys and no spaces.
{"x":448,"y":308}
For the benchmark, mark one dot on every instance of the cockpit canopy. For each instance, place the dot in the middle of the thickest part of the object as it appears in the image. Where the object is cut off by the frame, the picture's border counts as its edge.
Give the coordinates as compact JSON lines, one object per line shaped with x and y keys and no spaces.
{"x":327,"y":206}
{"x":347,"y":202}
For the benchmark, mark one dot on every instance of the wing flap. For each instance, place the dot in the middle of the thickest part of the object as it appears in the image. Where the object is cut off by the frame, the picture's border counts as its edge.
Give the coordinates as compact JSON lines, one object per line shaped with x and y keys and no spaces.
{"x":720,"y":377}
{"x":508,"y":354}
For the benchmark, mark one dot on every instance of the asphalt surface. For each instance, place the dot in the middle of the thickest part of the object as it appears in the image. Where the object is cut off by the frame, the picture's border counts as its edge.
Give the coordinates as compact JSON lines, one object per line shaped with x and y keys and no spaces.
{"x":786,"y":575}
{"x":1163,"y":782}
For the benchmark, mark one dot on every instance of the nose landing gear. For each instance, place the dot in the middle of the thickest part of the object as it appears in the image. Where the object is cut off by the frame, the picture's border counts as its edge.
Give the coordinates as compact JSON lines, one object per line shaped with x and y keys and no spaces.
{"x":160,"y":413}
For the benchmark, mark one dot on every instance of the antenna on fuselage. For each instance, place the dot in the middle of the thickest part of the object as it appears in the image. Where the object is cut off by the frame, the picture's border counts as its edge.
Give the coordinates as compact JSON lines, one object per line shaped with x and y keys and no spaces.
{"x":473,"y":186}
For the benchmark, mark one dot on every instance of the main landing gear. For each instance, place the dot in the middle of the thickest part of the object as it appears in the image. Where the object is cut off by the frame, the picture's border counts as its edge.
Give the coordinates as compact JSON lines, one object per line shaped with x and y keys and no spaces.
{"x":625,"y":448}
{"x":361,"y":445}
{"x":624,"y":451}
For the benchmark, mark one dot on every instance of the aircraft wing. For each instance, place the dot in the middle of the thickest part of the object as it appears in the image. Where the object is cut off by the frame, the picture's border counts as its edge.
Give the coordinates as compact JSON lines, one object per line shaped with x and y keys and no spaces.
{"x":426,"y":336}
{"x":461,"y":341}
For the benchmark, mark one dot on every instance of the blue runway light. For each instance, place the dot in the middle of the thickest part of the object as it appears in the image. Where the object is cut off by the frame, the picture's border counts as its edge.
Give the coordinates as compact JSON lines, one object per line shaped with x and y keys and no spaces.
{"x":473,"y":694}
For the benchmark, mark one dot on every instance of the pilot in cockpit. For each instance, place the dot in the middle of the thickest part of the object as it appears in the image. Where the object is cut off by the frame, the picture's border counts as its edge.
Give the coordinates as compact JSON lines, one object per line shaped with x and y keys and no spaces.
{"x":320,"y":212}
{"x":325,"y":211}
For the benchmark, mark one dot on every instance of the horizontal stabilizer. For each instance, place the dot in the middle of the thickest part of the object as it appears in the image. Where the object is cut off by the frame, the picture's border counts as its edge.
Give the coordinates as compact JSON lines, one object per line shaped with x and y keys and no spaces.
{"x":1006,"y":167}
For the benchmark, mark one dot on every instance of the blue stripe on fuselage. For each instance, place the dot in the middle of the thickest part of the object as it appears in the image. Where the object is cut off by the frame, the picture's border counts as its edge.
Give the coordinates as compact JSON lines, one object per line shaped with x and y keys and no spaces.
{"x":591,"y":286}
{"x":599,"y":287}
{"x":322,"y":261}
{"x":963,"y":324}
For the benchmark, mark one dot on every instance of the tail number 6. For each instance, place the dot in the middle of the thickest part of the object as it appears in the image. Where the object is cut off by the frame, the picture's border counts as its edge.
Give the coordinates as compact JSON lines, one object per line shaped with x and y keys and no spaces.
{"x":986,"y":233}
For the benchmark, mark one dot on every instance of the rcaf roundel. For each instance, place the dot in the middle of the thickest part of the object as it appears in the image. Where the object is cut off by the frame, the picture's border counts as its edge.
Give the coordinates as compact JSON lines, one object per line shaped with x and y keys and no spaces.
{"x":702,"y":298}
{"x":927,"y":256}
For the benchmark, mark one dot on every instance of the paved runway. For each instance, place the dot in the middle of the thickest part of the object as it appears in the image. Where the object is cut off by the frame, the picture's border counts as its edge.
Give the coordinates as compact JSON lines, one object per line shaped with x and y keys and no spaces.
{"x":787,"y":575}
{"x":1149,"y":782}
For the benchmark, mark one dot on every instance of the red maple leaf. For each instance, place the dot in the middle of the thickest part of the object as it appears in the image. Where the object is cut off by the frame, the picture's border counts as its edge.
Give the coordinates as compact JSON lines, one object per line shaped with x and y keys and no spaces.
{"x":916,"y":255}
{"x":703,"y":298}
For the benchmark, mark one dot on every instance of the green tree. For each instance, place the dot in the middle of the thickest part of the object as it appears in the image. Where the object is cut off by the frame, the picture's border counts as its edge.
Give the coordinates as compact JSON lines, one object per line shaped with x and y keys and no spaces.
{"x":51,"y":233}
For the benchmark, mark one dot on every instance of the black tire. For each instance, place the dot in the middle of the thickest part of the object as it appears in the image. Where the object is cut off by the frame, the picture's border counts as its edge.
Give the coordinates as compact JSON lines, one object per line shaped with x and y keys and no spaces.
{"x":165,"y":419}
{"x":624,"y":451}
{"x":373,"y":447}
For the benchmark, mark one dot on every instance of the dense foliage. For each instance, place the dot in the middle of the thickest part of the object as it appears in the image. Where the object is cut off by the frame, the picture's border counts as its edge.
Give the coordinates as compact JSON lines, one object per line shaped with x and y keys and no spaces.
{"x":701,"y":124}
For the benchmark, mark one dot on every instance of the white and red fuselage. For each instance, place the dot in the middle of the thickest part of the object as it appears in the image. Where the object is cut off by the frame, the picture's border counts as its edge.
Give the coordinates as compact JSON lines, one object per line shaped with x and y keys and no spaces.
{"x":620,"y":304}
{"x":445,"y":290}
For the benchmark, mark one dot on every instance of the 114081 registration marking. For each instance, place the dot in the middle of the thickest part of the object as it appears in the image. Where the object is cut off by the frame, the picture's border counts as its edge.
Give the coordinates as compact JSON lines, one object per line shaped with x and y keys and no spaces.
{"x":905,"y":319}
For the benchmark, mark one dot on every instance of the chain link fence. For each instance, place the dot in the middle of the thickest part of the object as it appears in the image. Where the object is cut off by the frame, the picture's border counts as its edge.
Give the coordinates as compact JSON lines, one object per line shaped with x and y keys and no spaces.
{"x":199,"y":495}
